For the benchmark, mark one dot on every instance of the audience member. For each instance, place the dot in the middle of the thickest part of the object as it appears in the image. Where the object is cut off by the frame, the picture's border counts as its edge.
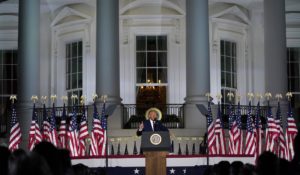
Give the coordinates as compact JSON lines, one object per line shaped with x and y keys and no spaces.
{"x":5,"y":153}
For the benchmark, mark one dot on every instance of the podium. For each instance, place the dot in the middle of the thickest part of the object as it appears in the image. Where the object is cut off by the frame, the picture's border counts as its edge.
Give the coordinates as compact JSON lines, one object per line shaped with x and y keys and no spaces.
{"x":156,"y":146}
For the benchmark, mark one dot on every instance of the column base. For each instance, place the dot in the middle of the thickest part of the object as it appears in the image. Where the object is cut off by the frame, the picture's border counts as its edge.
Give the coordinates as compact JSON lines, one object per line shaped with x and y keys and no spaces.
{"x":111,"y":99}
{"x":196,"y":99}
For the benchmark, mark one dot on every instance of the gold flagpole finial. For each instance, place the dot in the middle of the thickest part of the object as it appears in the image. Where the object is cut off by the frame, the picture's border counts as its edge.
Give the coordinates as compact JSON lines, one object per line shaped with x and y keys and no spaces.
{"x":238,"y":97}
{"x":82,"y":99}
{"x":94,"y":96}
{"x":268,"y":95}
{"x":208,"y":96}
{"x":219,"y":97}
{"x":104,"y":98}
{"x":250,"y":96}
{"x":278,"y":96}
{"x":64,"y":99}
{"x":259,"y":96}
{"x":289,"y":95}
{"x":43,"y":99}
{"x":230,"y":95}
{"x":74,"y":97}
{"x":53,"y":98}
{"x":13,"y":98}
{"x":34,"y":98}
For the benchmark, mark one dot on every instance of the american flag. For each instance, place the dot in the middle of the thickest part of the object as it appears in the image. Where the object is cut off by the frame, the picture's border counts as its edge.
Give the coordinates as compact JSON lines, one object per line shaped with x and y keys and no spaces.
{"x":219,"y":134}
{"x":97,"y":133}
{"x":281,"y":145}
{"x":290,"y":134}
{"x":250,"y":137}
{"x":259,"y":133}
{"x":46,"y":125}
{"x":15,"y":131}
{"x":62,"y":131}
{"x":73,"y":134}
{"x":211,"y":139}
{"x":239,"y":134}
{"x":52,"y":129}
{"x":233,"y":129}
{"x":83,"y":133}
{"x":271,"y":131}
{"x":35,"y":135}
{"x":102,"y":146}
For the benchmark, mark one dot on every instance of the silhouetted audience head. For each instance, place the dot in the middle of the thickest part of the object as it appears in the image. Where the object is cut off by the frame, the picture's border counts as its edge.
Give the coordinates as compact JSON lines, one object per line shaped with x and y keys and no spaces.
{"x":223,"y":168}
{"x":80,"y":169}
{"x":4,"y":155}
{"x":65,"y":158}
{"x":16,"y":161}
{"x":236,"y":168}
{"x":267,"y":163}
{"x":51,"y":154}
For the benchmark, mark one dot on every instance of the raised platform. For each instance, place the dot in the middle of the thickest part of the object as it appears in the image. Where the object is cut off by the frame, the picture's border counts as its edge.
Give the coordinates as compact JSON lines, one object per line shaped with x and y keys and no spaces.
{"x":172,"y":160}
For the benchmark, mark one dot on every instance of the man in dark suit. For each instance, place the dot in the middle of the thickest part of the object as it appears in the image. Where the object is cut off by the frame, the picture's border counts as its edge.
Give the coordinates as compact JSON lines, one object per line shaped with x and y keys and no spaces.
{"x":152,"y":124}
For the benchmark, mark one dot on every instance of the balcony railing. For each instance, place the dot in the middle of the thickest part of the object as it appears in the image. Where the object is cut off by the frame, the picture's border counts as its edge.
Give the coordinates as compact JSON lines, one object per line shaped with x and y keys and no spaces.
{"x":244,"y":113}
{"x":134,"y":114}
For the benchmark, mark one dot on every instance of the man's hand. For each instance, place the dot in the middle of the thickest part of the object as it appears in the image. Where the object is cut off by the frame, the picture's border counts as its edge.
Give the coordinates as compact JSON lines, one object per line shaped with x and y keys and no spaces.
{"x":141,"y":127}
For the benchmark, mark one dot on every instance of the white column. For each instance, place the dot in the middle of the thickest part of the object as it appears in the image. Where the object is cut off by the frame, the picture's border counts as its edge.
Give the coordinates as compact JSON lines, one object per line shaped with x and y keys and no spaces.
{"x":29,"y":61}
{"x":275,"y":46}
{"x":197,"y":65}
{"x":107,"y":50}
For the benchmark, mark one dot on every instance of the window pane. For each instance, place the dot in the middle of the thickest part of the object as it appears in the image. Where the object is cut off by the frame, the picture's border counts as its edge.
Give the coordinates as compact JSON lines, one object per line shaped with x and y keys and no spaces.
{"x":234,"y":79}
{"x":68,"y":51}
{"x":162,"y":42}
{"x":162,"y":75}
{"x":7,"y":72}
{"x":233,"y":63}
{"x":14,"y":72}
{"x":74,"y":50}
{"x":222,"y":47}
{"x":15,"y":57}
{"x":74,"y":65}
{"x":228,"y":64}
{"x":227,"y":48}
{"x":228,"y":80}
{"x":141,"y":75}
{"x":152,"y":75}
{"x":295,"y":84}
{"x":294,"y":69}
{"x":151,"y":42}
{"x":162,"y":59}
{"x":7,"y":55}
{"x":222,"y":63}
{"x":79,"y":80}
{"x":7,"y":87}
{"x":74,"y":81}
{"x":151,"y":59}
{"x":222,"y":79}
{"x":15,"y":87}
{"x":141,"y":43}
{"x":234,"y":49}
{"x":80,"y":48}
{"x":68,"y":82}
{"x":69,"y":61}
{"x":141,"y":59}
{"x":79,"y":64}
{"x":1,"y":72}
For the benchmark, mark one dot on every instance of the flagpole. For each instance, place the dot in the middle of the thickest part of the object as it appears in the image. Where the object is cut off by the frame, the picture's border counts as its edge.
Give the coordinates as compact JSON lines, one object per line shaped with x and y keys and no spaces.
{"x":103,"y":98}
{"x":207,"y":151}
